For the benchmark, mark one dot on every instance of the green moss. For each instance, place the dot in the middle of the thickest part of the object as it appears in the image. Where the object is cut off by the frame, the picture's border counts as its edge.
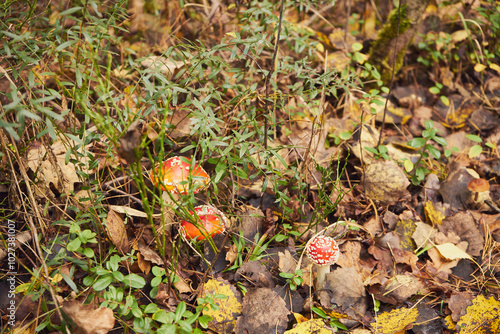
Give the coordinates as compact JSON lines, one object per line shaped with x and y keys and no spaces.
{"x":382,"y":48}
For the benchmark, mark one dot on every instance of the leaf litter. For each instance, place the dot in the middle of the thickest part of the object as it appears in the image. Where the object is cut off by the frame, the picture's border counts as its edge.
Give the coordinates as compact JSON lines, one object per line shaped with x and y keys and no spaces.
{"x":417,"y":236}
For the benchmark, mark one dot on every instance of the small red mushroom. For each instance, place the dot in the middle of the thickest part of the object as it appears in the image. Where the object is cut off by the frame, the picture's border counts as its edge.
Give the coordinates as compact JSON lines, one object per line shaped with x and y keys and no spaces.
{"x":323,"y":251}
{"x":176,"y":176}
{"x":210,"y":221}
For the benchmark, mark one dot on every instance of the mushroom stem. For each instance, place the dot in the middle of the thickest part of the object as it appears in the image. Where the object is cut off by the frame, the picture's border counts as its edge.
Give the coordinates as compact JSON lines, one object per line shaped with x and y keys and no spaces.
{"x":321,"y":275}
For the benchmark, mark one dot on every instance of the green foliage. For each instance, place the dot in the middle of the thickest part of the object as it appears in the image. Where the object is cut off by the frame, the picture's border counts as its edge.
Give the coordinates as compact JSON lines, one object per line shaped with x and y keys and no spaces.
{"x":293,"y":280}
{"x":332,"y":321}
{"x":424,"y":145}
{"x":381,"y":152}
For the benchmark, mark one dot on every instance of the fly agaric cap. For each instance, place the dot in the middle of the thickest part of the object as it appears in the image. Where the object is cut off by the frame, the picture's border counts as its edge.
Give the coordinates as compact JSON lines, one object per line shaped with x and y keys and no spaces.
{"x":210,"y":220}
{"x":478,"y":185}
{"x":174,"y":175}
{"x":323,"y":251}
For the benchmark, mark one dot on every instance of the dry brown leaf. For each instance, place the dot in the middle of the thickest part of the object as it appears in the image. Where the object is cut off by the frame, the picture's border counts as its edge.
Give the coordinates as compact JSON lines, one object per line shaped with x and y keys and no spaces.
{"x":402,"y":287}
{"x":463,"y":225}
{"x":87,"y":319}
{"x":424,"y":233}
{"x":263,"y":312}
{"x":287,"y":263}
{"x":163,"y":64}
{"x":50,"y":167}
{"x":458,"y":302}
{"x":385,"y":181}
{"x":347,"y":291}
{"x":440,"y":263}
{"x":117,"y":232}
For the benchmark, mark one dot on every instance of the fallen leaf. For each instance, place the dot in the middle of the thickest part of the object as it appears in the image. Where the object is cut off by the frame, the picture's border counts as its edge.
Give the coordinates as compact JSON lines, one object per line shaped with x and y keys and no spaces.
{"x":257,"y":273}
{"x":316,"y":326}
{"x":481,"y":317}
{"x":263,"y":312}
{"x":50,"y":167}
{"x":405,"y":228}
{"x":87,"y":319}
{"x":442,"y":265}
{"x":224,"y":319}
{"x":424,"y":233}
{"x":463,"y":225}
{"x":163,"y":64}
{"x":458,"y":302}
{"x":402,"y":287}
{"x":287,"y":263}
{"x":451,"y":252}
{"x":395,"y":321}
{"x":117,"y":232}
{"x":129,"y":143}
{"x":385,"y":181}
{"x":346,"y":289}
{"x":434,"y":213}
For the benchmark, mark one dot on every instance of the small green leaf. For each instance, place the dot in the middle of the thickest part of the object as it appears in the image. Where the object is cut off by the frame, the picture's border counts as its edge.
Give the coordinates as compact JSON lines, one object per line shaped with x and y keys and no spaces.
{"x":345,"y":135}
{"x":475,"y":138}
{"x":475,"y":151}
{"x":161,"y":316}
{"x":434,"y":151}
{"x":371,"y":150}
{"x":417,"y":142}
{"x":102,"y":283}
{"x":357,"y":47}
{"x":134,"y":281}
{"x":445,"y":100}
{"x":151,"y":308}
{"x":434,"y":90}
{"x":440,"y":140}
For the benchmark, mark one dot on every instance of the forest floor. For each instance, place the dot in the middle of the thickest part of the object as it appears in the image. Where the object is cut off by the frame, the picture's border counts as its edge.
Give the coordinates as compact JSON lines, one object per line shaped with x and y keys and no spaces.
{"x":300,"y":138}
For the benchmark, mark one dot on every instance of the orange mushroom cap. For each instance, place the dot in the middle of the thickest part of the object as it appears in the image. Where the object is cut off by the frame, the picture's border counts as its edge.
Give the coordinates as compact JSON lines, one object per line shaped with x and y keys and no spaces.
{"x":211,"y":220}
{"x":174,"y":174}
{"x":323,"y":251}
{"x":478,"y":185}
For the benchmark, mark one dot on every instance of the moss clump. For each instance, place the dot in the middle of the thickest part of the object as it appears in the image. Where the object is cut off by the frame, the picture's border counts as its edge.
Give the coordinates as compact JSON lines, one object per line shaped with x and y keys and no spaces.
{"x":381,"y":52}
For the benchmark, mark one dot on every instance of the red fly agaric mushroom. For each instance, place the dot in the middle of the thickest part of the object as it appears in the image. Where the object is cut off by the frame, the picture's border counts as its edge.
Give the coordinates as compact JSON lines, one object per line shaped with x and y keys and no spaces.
{"x":323,"y":251}
{"x":176,"y":176}
{"x":210,"y":221}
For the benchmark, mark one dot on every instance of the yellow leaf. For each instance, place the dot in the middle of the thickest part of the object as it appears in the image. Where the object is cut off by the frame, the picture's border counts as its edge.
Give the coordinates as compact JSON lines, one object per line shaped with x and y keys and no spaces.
{"x":405,"y":228}
{"x":408,"y":165}
{"x":479,"y":67}
{"x":224,"y":319}
{"x":231,"y":34}
{"x":481,"y":317}
{"x":433,"y":214}
{"x":495,"y":67}
{"x":448,"y":322}
{"x":459,"y":35}
{"x":320,"y":47}
{"x":395,"y":321}
{"x":451,"y":252}
{"x":310,"y":326}
{"x":300,"y":318}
